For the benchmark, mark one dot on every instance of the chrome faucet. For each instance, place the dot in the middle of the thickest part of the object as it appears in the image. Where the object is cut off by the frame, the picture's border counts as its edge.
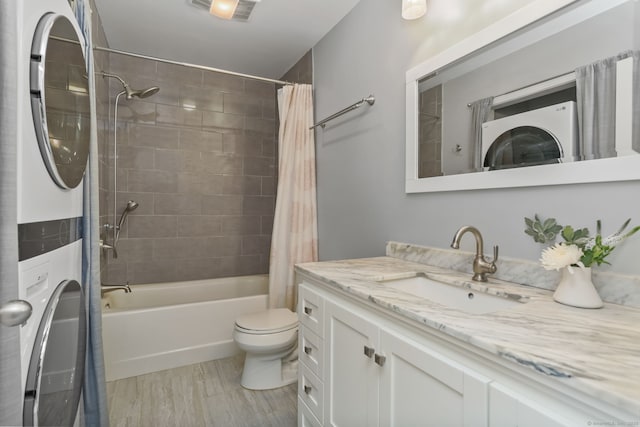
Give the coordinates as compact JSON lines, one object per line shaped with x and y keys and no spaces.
{"x":481,"y":266}
{"x":110,"y":288}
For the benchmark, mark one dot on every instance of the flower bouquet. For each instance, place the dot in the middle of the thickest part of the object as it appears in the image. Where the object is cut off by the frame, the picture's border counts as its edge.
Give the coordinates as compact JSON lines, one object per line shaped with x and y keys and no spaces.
{"x":580,"y":250}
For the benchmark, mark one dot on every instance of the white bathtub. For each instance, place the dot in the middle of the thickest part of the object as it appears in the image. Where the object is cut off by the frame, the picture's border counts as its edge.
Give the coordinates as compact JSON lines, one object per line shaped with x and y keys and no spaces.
{"x":163,"y":326}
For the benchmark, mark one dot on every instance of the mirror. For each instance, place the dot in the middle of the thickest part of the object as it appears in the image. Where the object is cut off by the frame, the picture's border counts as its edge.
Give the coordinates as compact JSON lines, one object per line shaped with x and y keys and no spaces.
{"x":512,"y":105}
{"x":60,"y":99}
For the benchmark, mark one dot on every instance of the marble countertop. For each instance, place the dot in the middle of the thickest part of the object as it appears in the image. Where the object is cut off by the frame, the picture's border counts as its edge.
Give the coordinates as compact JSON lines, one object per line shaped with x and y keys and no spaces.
{"x":594,"y":351}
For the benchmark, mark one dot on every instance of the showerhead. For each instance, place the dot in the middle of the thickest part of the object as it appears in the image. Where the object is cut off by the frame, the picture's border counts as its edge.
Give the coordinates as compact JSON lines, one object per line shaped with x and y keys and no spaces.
{"x":131,"y":205}
{"x":145,"y":93}
{"x":132,"y":93}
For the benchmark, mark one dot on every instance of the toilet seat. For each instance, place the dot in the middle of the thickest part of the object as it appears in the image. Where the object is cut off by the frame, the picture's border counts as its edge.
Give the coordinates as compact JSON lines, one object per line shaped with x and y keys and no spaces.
{"x":267,"y":322}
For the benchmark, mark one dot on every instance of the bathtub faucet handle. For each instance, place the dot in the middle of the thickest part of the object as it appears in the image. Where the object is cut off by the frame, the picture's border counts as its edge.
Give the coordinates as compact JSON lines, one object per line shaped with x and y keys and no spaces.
{"x":105,"y":246}
{"x":110,"y":288}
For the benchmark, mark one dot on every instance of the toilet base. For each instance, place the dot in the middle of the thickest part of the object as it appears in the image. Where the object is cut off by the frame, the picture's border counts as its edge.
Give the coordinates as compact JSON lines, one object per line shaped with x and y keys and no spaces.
{"x":261,"y":374}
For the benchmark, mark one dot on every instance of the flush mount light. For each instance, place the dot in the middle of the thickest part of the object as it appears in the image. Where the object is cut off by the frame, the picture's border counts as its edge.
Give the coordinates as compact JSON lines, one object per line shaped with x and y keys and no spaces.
{"x":413,"y":9}
{"x":234,"y":10}
{"x":223,"y":8}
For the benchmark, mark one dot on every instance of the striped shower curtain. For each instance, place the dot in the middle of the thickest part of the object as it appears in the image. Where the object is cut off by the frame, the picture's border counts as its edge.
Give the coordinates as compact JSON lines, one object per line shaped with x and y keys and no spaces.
{"x":295,"y":231}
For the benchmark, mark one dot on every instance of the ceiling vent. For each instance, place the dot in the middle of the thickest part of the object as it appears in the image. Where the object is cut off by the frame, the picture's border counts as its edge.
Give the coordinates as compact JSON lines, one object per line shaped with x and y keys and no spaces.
{"x":242,"y":12}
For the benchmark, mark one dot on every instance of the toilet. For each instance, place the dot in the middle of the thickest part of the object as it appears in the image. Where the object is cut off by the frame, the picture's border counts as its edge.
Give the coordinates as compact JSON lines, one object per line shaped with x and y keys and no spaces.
{"x":270,"y":339}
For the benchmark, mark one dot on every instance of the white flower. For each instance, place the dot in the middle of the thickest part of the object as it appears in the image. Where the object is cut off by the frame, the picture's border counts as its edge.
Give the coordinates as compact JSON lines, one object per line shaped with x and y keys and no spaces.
{"x":559,"y":256}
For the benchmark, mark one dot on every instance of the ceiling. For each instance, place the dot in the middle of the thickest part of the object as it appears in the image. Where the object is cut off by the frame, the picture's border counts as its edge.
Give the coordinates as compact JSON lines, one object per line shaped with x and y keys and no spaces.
{"x":278,"y":33}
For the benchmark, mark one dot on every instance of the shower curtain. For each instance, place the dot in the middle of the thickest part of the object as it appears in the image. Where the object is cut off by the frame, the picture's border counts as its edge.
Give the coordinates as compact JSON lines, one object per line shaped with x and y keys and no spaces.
{"x":596,"y":101}
{"x":94,"y":391}
{"x":295,"y":231}
{"x":479,"y":114}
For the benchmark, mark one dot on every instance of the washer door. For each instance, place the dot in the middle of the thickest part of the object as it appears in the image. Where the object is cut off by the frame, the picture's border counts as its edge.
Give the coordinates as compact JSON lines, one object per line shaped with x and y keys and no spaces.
{"x":56,"y":369}
{"x":523,"y":146}
{"x":60,"y":99}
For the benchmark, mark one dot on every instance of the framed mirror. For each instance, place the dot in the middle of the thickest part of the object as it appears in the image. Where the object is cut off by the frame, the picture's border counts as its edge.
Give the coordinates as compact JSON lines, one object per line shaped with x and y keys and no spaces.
{"x":513,"y":105}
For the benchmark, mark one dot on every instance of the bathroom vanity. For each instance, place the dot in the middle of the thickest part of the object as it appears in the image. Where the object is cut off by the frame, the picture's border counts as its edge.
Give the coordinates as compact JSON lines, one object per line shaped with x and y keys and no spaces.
{"x":376,"y":349}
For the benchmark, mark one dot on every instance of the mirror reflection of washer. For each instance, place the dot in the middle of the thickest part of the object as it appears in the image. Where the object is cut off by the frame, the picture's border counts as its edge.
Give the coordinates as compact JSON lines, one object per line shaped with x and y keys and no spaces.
{"x":56,"y":369}
{"x":543,"y":136}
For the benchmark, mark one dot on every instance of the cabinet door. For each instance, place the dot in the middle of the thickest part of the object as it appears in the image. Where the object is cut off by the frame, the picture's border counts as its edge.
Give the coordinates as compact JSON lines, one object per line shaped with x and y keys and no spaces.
{"x":420,"y":387}
{"x":509,"y":409}
{"x":351,"y":387}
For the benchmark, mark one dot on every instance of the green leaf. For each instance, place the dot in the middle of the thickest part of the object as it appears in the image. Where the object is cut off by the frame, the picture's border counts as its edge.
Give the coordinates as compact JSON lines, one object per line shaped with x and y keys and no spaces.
{"x":567,"y":233}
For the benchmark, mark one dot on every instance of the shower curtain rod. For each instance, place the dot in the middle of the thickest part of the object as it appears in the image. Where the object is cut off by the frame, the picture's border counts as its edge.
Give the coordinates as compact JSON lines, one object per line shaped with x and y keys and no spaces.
{"x":186,"y":64}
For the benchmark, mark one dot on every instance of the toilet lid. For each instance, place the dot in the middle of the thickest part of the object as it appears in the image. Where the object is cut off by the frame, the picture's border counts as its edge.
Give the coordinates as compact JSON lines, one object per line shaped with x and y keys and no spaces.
{"x":273,"y":320}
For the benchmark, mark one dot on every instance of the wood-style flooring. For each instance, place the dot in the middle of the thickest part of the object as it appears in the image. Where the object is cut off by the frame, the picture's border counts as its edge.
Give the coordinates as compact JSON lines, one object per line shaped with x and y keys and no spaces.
{"x":204,"y":394}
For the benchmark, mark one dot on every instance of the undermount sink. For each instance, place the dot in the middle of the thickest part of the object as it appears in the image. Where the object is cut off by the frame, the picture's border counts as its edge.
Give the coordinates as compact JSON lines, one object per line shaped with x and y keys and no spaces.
{"x":464,"y":299}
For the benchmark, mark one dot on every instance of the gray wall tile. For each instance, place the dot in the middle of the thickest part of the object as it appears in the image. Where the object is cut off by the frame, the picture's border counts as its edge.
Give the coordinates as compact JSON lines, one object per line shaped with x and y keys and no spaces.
{"x":151,"y":226}
{"x":222,"y":205}
{"x":203,"y":176}
{"x":178,"y":204}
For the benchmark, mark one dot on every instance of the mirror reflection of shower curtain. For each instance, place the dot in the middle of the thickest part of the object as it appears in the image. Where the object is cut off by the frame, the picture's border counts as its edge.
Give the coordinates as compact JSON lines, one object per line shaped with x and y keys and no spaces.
{"x":295,"y":231}
{"x":596,"y":102}
{"x":479,"y":114}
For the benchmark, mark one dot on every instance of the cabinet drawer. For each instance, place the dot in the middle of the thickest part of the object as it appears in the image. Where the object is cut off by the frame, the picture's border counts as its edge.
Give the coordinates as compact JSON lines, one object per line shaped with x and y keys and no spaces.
{"x":311,"y":309}
{"x":305,"y":416}
{"x":311,"y":351}
{"x":311,"y":391}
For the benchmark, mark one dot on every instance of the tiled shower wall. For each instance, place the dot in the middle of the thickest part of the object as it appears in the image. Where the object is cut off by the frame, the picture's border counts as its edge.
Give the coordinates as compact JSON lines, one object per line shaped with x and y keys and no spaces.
{"x":200,"y":159}
{"x":430,"y":132}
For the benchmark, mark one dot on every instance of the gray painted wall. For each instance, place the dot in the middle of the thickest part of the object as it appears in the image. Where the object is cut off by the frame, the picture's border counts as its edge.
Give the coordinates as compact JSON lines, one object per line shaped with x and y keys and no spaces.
{"x":361,"y":157}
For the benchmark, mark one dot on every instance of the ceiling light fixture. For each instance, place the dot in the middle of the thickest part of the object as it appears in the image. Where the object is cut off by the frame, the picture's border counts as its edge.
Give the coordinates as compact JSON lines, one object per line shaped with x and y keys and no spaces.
{"x":223,"y":8}
{"x":413,"y":9}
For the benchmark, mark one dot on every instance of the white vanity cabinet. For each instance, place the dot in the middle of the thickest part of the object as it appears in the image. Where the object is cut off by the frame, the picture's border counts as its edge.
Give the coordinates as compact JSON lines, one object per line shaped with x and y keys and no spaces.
{"x":375,"y":377}
{"x":508,"y":409}
{"x":419,"y":386}
{"x":363,"y":366}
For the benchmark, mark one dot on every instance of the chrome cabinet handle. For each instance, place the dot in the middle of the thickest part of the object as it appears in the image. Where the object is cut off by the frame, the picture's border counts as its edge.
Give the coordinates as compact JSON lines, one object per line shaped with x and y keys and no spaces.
{"x":307,"y":389}
{"x":15,"y":312}
{"x":308,"y":310}
{"x":369,"y":351}
{"x":307,"y":349}
{"x":379,"y":359}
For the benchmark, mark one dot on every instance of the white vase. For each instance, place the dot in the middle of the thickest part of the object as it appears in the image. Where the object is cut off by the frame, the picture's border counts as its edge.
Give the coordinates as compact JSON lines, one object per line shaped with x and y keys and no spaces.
{"x":576,"y":289}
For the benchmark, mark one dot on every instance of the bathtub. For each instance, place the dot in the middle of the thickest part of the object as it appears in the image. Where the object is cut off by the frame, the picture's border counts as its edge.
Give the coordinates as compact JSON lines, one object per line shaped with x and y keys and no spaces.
{"x":163,"y":326}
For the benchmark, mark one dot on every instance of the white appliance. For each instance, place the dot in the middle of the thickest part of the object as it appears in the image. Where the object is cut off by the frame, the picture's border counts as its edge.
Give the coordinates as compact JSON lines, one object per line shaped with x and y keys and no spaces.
{"x":542,"y":136}
{"x":53,"y":107}
{"x":52,"y":149}
{"x":53,"y":339}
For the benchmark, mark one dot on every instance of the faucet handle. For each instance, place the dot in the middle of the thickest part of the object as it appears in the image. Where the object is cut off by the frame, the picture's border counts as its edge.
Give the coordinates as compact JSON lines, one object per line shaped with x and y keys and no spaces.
{"x":495,"y":253}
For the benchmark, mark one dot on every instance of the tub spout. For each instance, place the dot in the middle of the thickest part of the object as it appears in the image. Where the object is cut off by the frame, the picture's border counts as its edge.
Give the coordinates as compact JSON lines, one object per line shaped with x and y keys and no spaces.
{"x":110,"y":288}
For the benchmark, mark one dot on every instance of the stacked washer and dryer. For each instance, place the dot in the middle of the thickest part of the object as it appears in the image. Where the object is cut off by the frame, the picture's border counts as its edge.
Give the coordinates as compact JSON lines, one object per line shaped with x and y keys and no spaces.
{"x":53,"y":146}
